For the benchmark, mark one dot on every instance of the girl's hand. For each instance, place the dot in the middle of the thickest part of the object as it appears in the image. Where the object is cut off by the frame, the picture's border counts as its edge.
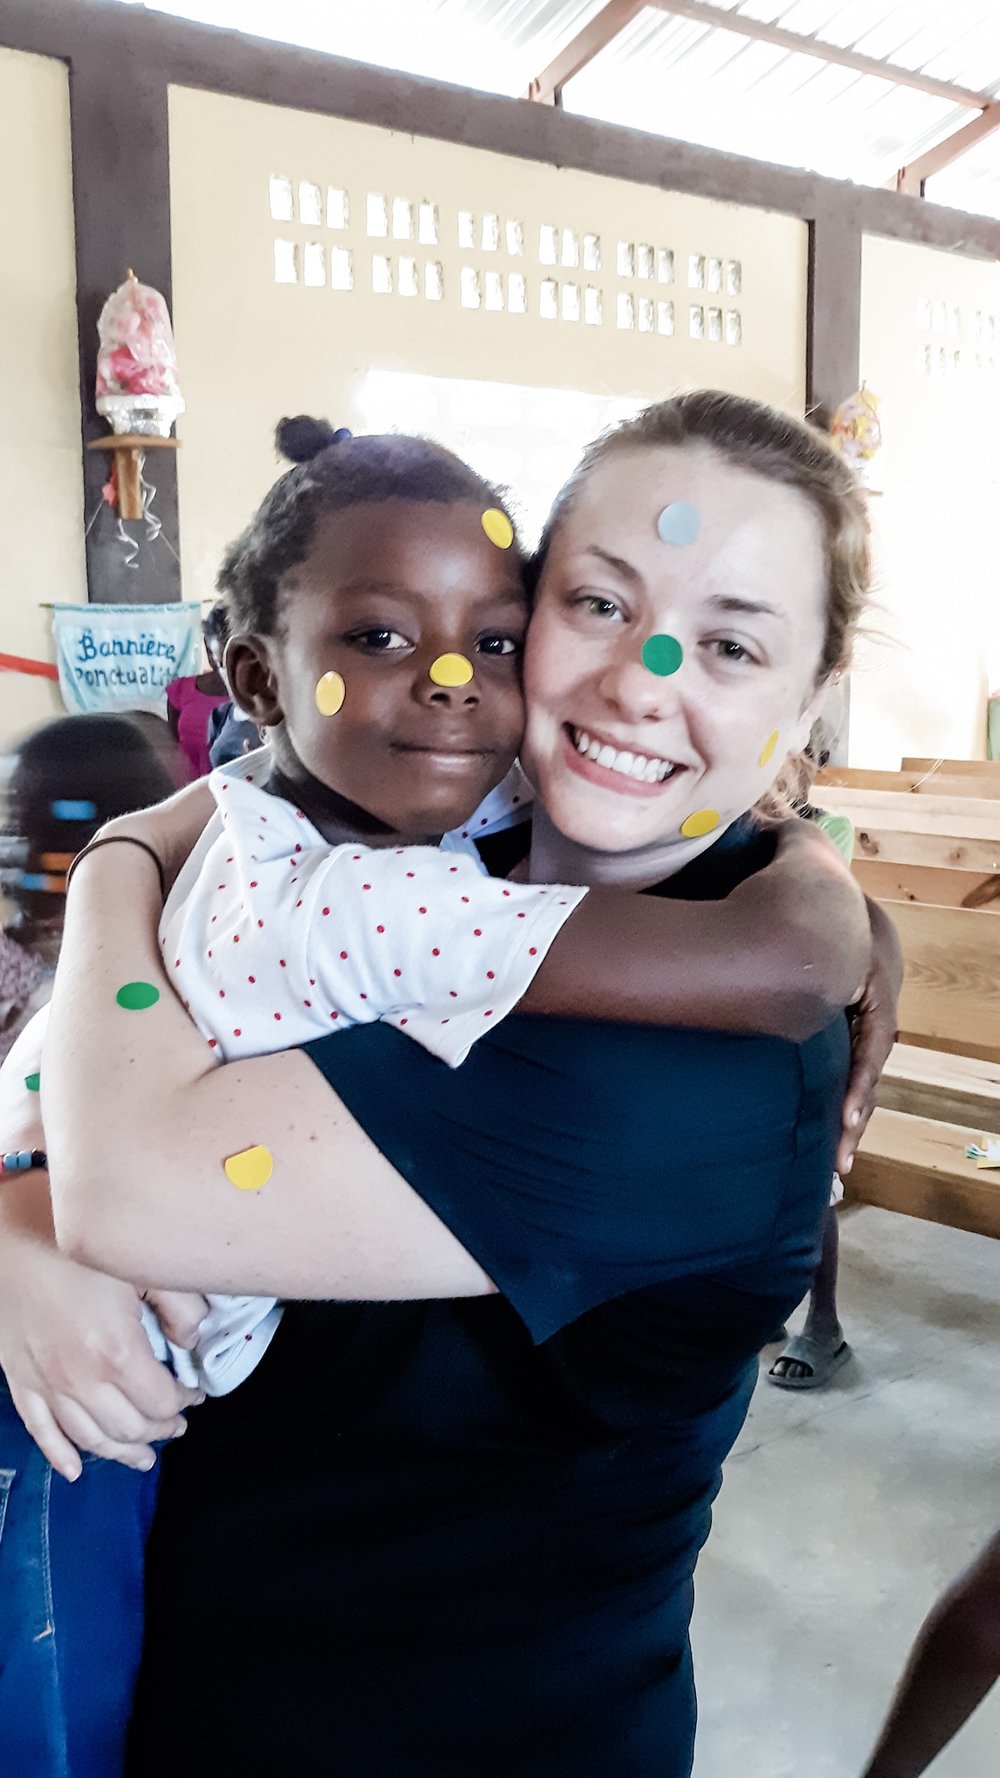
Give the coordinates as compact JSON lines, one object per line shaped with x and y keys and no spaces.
{"x":874,"y":1020}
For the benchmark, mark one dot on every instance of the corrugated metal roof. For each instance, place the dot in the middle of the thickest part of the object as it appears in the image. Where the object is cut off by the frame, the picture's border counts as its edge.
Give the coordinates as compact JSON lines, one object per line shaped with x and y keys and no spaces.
{"x":676,"y":76}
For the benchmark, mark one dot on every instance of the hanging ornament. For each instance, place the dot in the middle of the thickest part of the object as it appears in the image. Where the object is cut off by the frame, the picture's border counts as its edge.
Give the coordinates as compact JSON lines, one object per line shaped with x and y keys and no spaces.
{"x":856,"y":430}
{"x":139,"y":396}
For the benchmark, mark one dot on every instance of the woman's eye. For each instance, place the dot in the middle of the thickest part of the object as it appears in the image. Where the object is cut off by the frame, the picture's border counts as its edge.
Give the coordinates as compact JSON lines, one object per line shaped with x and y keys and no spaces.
{"x":725,"y":649}
{"x":379,"y":641}
{"x":500,"y":644}
{"x":595,"y":605}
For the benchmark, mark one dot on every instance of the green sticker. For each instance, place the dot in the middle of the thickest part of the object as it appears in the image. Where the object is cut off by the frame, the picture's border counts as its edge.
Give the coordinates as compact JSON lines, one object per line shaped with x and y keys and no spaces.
{"x":662,"y":655}
{"x":32,"y":1082}
{"x":136,"y":996}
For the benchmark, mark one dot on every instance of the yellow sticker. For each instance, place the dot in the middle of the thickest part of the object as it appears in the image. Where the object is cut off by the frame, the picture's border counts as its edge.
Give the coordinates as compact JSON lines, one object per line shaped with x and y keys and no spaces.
{"x":450,"y":669}
{"x":701,"y":822}
{"x":330,"y":694}
{"x":250,"y":1169}
{"x":498,"y":527}
{"x":767,"y":751}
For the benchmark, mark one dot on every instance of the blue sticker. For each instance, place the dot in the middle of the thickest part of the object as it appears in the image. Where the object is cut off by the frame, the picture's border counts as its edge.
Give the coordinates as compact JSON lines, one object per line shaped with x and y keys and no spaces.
{"x":31,"y":880}
{"x":679,"y":523}
{"x":67,"y":810}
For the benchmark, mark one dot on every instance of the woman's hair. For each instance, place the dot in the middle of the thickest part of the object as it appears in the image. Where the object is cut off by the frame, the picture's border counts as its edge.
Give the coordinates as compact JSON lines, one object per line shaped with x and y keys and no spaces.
{"x":332,"y":471}
{"x":774,"y":445}
{"x":64,"y":782}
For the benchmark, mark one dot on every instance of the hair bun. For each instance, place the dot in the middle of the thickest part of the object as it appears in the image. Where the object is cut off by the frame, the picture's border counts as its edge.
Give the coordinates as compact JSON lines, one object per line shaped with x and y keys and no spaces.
{"x":302,"y":438}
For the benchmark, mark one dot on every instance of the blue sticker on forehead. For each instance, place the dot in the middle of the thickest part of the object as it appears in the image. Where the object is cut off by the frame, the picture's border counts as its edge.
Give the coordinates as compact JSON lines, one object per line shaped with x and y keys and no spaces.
{"x":679,"y":523}
{"x":74,"y":811}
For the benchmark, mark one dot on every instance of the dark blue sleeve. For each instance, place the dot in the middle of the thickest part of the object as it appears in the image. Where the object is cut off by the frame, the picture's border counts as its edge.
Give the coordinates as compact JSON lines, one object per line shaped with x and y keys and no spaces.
{"x":578,"y":1162}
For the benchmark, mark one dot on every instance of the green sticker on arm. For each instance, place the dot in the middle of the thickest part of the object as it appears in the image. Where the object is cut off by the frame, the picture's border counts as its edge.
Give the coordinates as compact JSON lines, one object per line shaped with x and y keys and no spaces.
{"x":32,"y":1082}
{"x":136,"y":996}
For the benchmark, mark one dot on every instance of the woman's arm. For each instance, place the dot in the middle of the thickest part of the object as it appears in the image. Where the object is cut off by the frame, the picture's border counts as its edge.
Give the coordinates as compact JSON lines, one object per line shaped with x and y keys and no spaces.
{"x":141,"y":1121}
{"x":78,"y":1365}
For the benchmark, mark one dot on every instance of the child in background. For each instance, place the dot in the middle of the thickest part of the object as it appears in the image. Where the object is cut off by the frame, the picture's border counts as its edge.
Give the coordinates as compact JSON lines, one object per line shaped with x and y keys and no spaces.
{"x":191,"y":701}
{"x":808,"y":1360}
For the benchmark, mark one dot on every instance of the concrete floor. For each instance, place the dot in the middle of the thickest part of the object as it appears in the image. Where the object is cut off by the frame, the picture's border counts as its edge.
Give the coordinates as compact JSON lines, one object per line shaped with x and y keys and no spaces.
{"x":846,"y":1511}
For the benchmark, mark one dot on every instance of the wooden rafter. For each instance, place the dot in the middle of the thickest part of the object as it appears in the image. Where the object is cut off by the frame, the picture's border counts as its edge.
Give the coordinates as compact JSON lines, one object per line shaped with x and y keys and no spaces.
{"x":911,"y":178}
{"x":741,"y":26}
{"x":613,"y":18}
{"x":588,"y":43}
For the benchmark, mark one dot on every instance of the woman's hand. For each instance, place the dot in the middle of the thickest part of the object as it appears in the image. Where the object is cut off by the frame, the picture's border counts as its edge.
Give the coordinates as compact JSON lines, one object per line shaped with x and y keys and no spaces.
{"x":874,"y":1020}
{"x":80,"y":1370}
{"x":78,"y":1364}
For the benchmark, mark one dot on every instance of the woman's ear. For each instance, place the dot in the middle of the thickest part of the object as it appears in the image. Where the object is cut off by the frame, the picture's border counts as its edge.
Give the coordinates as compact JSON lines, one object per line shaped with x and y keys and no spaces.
{"x":813,"y":710}
{"x":251,"y":679}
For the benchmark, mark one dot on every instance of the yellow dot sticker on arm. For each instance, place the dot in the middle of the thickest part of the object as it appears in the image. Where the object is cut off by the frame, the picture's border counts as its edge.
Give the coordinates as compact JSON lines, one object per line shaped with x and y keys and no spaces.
{"x":767,"y":751}
{"x":250,"y":1169}
{"x":450,"y":669}
{"x":330,"y":694}
{"x":701,"y":822}
{"x":498,"y":527}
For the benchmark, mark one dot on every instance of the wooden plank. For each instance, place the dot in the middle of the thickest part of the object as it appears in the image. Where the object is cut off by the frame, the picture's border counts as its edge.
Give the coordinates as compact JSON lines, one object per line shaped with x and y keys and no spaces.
{"x":924,"y":850}
{"x":919,"y":1168}
{"x":961,"y":818}
{"x":951,"y":989}
{"x":940,"y":888}
{"x":954,"y":768}
{"x":913,"y":783}
{"x":949,"y":1089}
{"x":595,"y":36}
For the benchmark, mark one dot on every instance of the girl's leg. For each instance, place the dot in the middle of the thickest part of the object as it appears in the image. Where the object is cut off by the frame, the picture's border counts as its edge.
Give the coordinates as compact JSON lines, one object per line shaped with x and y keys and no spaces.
{"x":32,"y":1726}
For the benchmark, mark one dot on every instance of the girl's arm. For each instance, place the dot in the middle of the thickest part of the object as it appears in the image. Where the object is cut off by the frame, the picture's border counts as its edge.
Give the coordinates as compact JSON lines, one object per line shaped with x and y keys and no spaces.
{"x":780,"y":956}
{"x":140,"y":1121}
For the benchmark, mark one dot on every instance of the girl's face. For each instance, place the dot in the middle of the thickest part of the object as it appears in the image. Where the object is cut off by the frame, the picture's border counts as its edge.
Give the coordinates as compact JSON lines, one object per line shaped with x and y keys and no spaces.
{"x":387,"y":589}
{"x":624,"y":756}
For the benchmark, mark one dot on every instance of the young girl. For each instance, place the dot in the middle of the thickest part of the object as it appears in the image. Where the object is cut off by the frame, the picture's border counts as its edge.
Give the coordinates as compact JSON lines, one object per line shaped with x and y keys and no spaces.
{"x":191,"y":702}
{"x":379,"y":604}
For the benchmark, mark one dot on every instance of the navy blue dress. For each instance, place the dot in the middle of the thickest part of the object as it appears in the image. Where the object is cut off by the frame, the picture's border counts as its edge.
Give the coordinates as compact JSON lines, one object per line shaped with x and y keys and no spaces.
{"x":457,"y":1540}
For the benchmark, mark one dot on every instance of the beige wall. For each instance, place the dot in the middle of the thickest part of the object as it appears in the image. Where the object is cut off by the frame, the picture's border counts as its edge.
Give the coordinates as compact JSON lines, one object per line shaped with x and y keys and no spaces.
{"x":252,"y":348}
{"x":930,"y":347}
{"x":41,"y":493}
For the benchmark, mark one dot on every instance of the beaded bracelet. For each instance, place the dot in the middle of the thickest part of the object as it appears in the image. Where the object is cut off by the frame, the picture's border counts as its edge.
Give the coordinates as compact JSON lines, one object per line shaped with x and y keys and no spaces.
{"x":24,"y":1161}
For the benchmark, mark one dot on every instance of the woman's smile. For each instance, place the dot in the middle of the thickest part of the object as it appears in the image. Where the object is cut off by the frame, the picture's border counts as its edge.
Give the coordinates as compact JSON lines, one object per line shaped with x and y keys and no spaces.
{"x":618,"y":767}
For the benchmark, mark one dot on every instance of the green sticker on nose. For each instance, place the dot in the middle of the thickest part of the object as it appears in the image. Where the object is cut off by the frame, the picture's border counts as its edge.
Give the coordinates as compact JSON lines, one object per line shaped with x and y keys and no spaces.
{"x":662,"y":655}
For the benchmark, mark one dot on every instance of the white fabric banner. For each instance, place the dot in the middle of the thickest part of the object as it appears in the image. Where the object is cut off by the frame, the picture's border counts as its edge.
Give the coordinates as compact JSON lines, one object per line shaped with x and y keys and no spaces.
{"x":122,"y":657}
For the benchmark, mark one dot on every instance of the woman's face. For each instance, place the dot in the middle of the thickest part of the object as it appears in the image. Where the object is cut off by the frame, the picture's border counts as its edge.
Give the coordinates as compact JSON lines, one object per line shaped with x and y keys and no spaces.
{"x":623,"y":756}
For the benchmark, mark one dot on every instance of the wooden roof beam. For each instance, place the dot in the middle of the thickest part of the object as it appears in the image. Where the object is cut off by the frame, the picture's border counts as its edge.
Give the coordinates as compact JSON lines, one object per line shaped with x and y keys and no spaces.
{"x":911,"y":178}
{"x":603,"y":28}
{"x":742,"y":26}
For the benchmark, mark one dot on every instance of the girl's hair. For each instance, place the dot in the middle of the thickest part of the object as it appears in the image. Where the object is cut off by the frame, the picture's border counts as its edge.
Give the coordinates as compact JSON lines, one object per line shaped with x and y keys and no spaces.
{"x":332,"y":471}
{"x":774,"y":445}
{"x":65,"y":781}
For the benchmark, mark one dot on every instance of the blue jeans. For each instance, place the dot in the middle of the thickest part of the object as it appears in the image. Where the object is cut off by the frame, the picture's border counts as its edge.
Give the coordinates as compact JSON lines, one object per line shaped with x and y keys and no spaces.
{"x":71,"y":1577}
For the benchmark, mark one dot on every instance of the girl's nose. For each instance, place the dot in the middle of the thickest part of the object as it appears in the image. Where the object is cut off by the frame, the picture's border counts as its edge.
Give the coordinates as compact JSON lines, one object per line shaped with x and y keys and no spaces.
{"x":446,"y":680}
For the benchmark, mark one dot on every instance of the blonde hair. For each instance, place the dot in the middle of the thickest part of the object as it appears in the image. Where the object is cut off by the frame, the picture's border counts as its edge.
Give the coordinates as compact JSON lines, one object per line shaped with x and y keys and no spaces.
{"x":774,"y":445}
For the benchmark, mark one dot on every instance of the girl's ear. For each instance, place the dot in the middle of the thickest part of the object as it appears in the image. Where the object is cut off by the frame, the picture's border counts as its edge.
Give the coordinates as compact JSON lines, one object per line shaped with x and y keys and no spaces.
{"x":251,"y":679}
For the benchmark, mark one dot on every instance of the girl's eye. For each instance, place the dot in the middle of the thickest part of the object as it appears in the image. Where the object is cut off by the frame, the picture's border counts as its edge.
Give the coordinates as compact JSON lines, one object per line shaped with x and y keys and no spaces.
{"x":500,"y":644}
{"x":379,"y":641}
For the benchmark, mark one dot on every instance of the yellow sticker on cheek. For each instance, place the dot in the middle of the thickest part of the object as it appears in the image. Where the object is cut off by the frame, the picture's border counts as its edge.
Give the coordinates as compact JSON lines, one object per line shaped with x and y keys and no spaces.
{"x":767,"y":751}
{"x":330,"y":694}
{"x":498,"y":527}
{"x":701,"y":822}
{"x":450,"y":669}
{"x":250,"y":1169}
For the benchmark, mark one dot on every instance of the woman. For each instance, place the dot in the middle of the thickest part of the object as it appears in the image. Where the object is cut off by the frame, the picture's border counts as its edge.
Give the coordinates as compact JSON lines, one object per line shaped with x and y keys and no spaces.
{"x":504,"y":1497}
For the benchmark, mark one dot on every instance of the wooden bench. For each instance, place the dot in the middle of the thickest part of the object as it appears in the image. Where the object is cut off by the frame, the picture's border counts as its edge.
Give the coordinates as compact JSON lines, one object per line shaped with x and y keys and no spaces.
{"x":912,"y":781}
{"x":941,"y":1088}
{"x":961,"y":768}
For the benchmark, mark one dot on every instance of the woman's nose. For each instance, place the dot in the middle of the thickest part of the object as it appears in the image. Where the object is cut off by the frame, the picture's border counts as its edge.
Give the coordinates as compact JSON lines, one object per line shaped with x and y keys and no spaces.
{"x":635,"y":693}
